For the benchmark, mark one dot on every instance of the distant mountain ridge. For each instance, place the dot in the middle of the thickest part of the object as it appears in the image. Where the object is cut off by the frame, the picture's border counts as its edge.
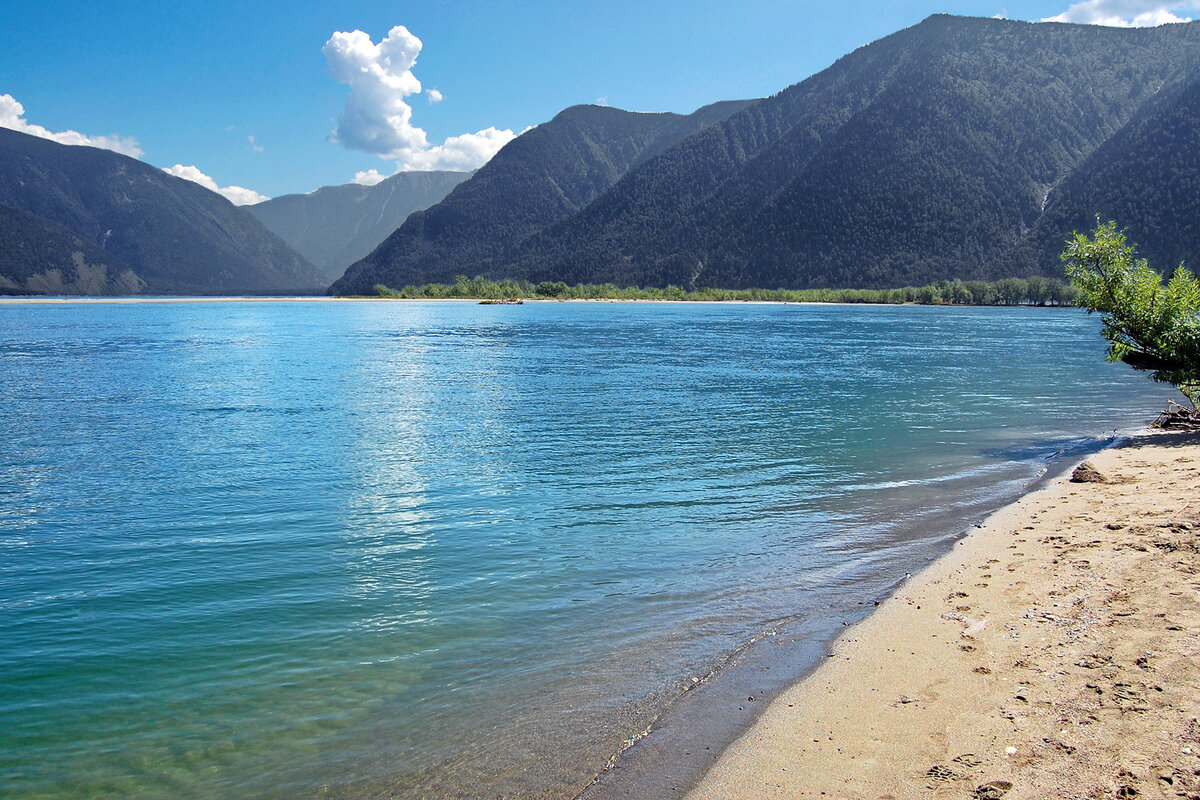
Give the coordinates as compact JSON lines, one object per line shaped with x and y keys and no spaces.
{"x":337,"y":225}
{"x":951,"y":149}
{"x":545,"y":175}
{"x":80,"y":220}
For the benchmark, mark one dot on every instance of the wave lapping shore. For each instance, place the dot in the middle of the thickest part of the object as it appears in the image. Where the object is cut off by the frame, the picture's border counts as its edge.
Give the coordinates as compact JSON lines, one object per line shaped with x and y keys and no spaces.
{"x":1055,"y":652}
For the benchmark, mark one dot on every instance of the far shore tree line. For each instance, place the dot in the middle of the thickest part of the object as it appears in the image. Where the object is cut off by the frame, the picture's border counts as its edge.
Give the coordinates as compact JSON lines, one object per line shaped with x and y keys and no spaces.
{"x":1149,"y":325}
{"x":1033,"y":291}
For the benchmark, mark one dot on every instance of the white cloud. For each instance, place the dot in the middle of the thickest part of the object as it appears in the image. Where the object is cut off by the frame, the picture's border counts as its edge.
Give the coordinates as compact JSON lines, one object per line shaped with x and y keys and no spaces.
{"x":237,"y":195}
{"x":368,"y":178}
{"x":377,"y":120}
{"x":1123,"y":13}
{"x":463,"y":153}
{"x":434,"y":95}
{"x":12,"y":116}
{"x":255,"y":146}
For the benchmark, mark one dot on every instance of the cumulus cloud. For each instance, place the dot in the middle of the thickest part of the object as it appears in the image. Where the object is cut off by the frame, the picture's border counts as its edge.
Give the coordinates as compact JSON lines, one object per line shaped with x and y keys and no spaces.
{"x":237,"y":195}
{"x":462,"y":153}
{"x":377,"y":119}
{"x":12,"y":115}
{"x":368,"y":178}
{"x":434,"y":95}
{"x":1123,"y":13}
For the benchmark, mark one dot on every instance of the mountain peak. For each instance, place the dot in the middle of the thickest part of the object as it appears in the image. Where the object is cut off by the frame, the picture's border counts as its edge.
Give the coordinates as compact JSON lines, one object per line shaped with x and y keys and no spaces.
{"x":925,"y":155}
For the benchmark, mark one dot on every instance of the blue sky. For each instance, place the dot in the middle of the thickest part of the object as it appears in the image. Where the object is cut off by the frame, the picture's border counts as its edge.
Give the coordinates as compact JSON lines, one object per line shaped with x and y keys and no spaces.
{"x":284,"y":97}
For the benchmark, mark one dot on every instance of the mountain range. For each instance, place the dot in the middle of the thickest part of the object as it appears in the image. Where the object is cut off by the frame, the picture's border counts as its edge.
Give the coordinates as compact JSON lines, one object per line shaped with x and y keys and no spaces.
{"x":546,"y":175}
{"x":80,"y":220}
{"x":958,"y":148}
{"x":337,"y":225}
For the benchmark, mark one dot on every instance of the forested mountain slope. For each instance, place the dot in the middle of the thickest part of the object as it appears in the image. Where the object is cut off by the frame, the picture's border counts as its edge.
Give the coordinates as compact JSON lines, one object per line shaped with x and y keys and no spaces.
{"x":337,"y":225}
{"x":38,"y":256}
{"x":1147,"y":177}
{"x":175,"y":236}
{"x":547,"y":174}
{"x":926,"y":155}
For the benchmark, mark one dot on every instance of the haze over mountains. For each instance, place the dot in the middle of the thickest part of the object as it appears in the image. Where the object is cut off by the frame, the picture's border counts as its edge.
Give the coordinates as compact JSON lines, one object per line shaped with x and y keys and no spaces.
{"x":337,"y":225}
{"x":956,"y":148}
{"x":78,"y":220}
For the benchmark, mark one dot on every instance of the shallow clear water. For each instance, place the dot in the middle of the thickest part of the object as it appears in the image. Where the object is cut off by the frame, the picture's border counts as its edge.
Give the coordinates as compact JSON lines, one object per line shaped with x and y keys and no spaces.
{"x":284,"y":549}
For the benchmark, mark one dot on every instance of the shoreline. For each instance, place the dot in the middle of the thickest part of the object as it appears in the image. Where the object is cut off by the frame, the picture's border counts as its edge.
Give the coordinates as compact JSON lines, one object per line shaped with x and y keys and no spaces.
{"x":1058,"y":644}
{"x":35,"y":300}
{"x":686,"y":738}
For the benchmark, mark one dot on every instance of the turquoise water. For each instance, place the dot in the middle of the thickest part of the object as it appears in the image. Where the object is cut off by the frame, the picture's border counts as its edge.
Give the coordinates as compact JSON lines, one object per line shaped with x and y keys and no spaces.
{"x":283,"y":550}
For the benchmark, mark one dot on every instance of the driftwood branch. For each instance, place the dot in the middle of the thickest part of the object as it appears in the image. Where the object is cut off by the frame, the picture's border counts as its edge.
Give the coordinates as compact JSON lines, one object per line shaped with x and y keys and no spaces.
{"x":1178,"y":417}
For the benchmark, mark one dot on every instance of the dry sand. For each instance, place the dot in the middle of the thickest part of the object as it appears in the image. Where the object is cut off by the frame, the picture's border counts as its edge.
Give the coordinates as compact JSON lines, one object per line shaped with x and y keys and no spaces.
{"x":1054,"y":653}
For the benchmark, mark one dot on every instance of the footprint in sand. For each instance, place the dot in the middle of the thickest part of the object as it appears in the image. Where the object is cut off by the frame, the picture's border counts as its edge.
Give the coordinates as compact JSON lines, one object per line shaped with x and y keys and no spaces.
{"x":993,"y":790}
{"x":939,"y":774}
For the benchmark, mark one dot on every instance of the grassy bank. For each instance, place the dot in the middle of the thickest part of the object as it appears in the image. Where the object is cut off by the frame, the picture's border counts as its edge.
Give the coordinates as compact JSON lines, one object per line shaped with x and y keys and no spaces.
{"x":1034,"y":291}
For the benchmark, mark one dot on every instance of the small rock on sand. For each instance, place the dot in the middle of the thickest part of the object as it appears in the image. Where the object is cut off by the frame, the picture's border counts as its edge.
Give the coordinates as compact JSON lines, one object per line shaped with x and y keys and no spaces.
{"x":1087,"y":473}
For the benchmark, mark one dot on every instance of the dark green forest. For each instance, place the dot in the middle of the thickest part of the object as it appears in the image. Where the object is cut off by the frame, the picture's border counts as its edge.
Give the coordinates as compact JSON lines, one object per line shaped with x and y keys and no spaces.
{"x":1147,"y":177}
{"x":47,"y":258}
{"x":545,"y":175}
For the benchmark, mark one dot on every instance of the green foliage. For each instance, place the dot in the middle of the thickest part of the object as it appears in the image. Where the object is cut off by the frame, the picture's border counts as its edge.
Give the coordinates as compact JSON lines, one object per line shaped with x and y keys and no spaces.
{"x":1147,"y":325}
{"x":1010,"y":291}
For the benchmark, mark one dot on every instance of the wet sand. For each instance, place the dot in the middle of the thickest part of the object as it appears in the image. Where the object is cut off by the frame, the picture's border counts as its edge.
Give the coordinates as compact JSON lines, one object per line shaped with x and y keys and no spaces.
{"x":1055,"y":652}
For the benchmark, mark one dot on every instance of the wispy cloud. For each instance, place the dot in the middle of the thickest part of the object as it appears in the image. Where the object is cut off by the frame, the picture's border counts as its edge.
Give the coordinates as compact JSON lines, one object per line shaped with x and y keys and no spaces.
{"x":237,"y":195}
{"x":12,"y":115}
{"x":377,"y":119}
{"x":255,"y":146}
{"x":1124,"y":13}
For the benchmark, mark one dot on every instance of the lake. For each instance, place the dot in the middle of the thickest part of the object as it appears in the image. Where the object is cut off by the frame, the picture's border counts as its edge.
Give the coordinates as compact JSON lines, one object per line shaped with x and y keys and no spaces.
{"x":362,"y":549}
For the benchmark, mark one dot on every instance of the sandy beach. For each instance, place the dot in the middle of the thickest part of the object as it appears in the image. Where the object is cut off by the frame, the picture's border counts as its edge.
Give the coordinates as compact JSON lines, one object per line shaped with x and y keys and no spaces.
{"x":1054,"y":653}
